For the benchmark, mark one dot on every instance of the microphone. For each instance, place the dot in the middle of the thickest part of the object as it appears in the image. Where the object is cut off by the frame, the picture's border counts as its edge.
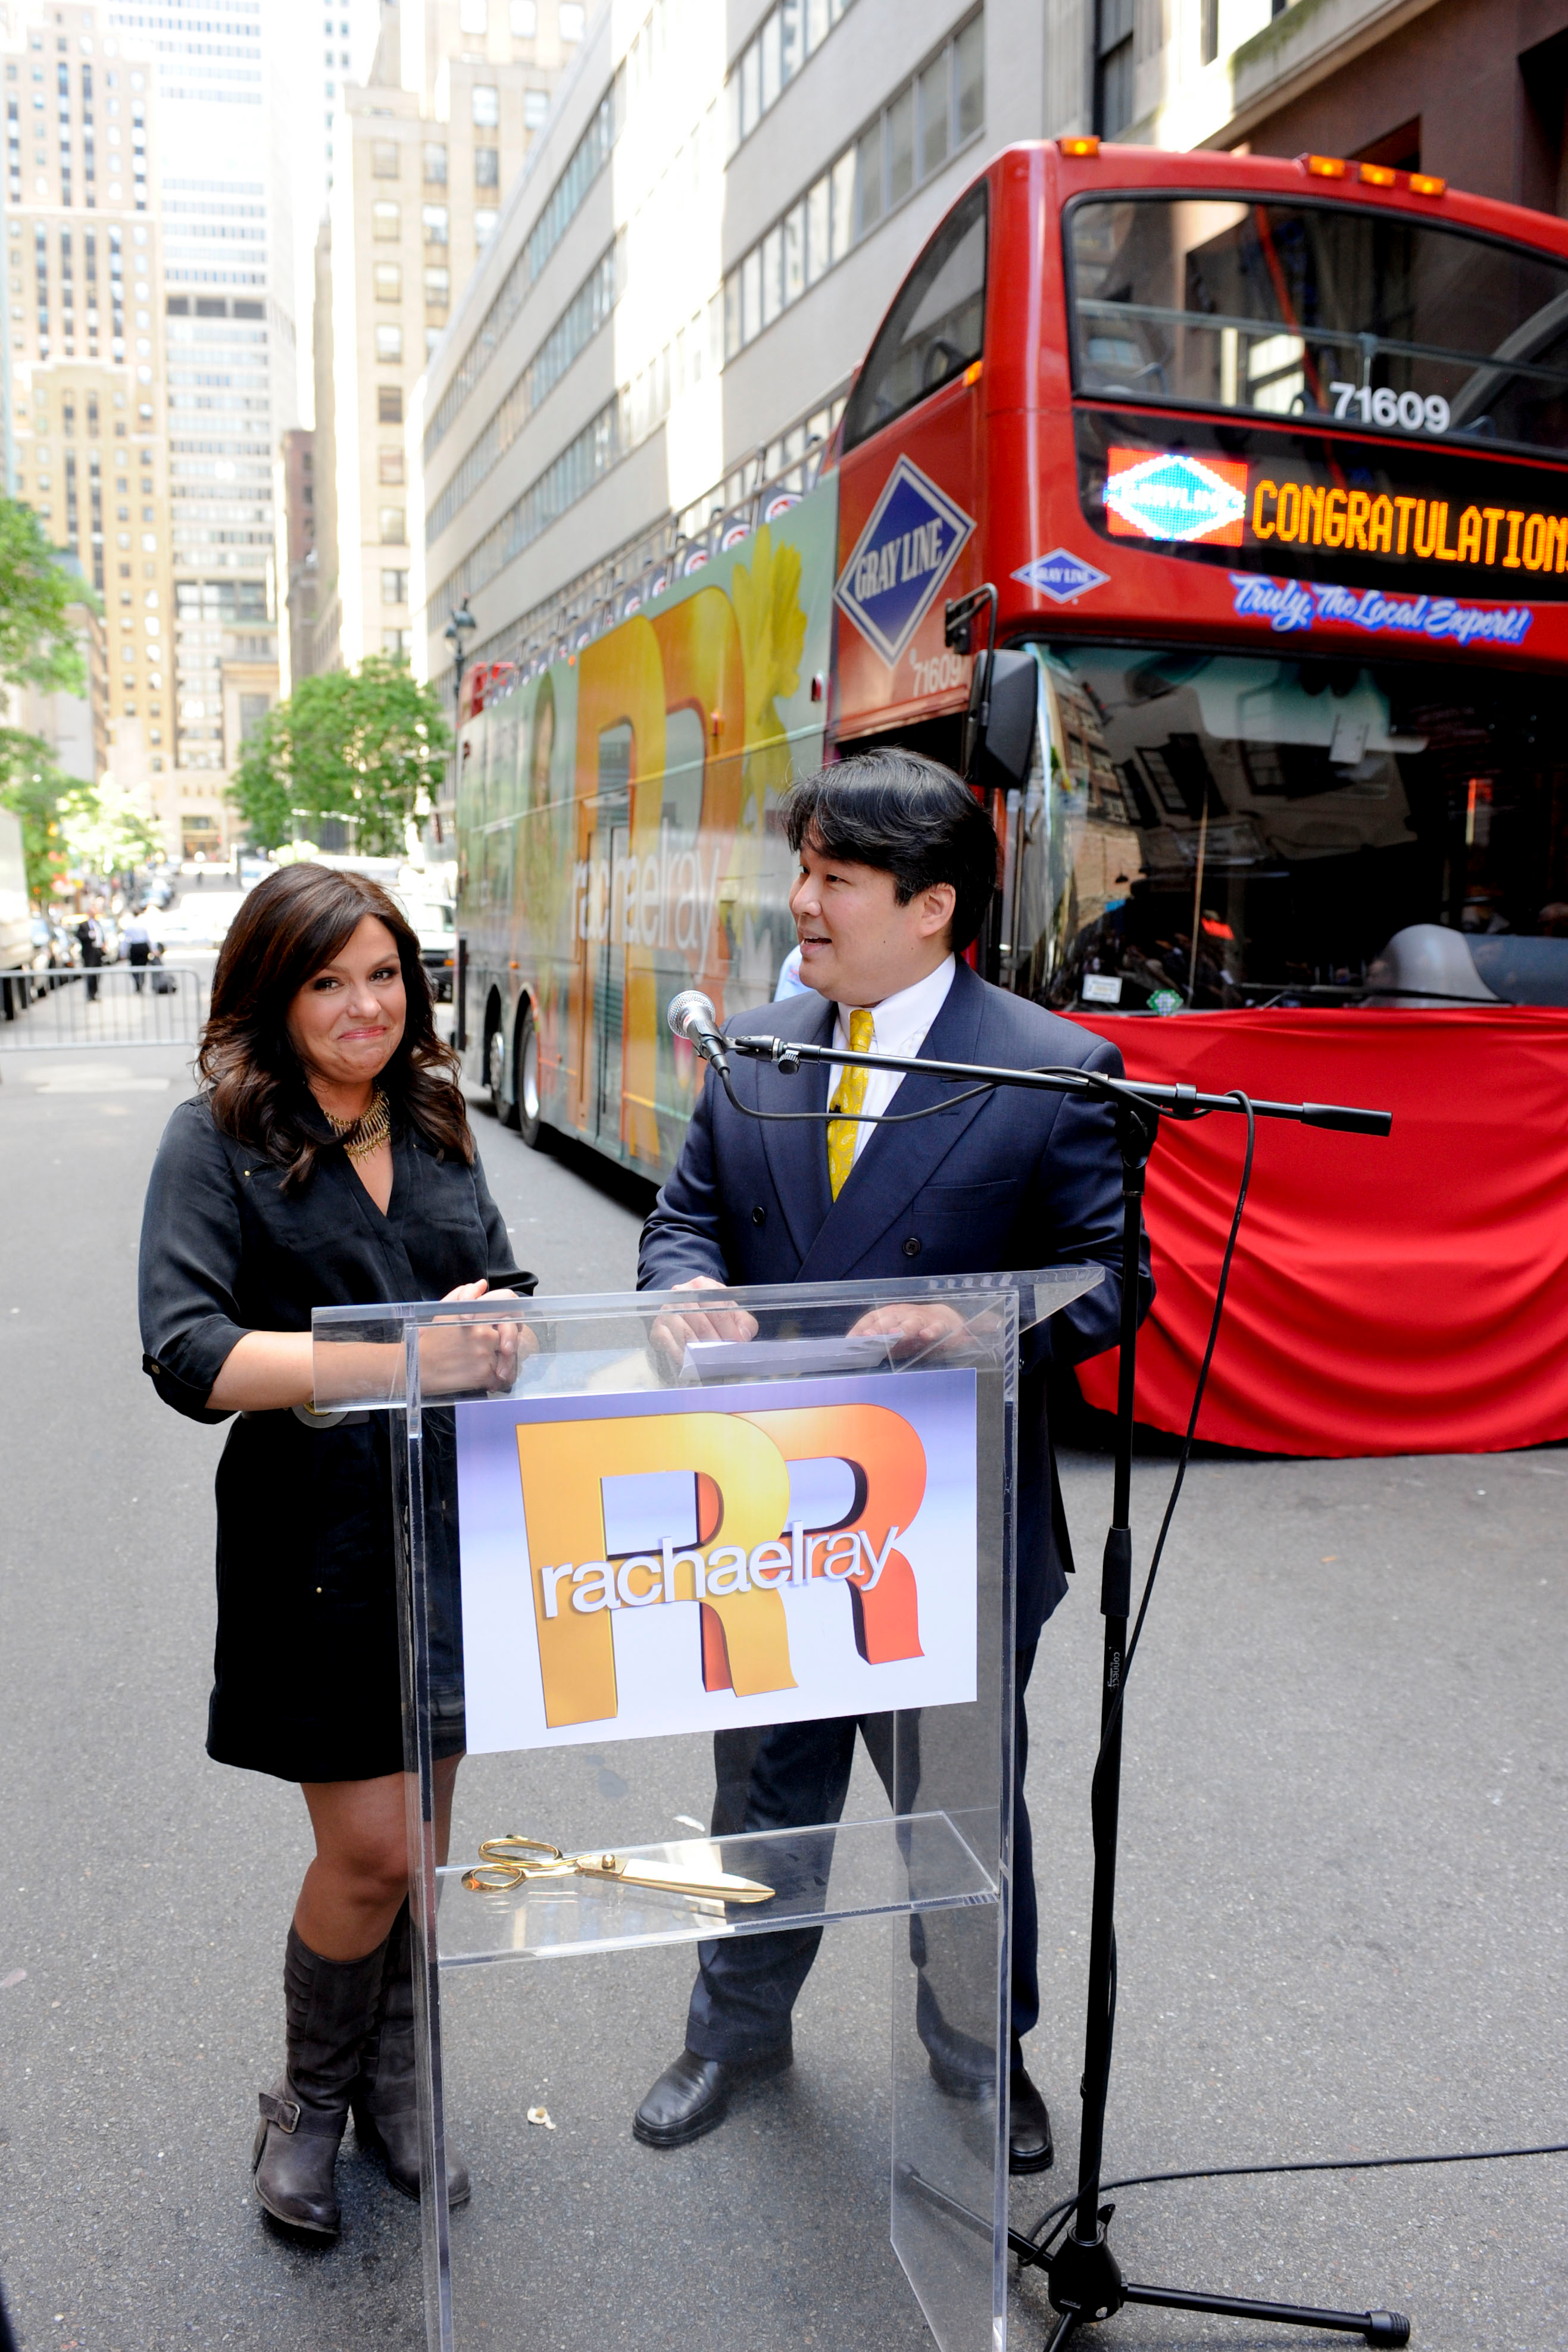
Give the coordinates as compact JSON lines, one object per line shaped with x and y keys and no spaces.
{"x":691,"y":1015}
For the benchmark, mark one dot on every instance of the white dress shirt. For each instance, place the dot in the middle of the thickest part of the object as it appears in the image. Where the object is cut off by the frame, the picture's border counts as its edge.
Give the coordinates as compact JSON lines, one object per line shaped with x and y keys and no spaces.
{"x":899,"y":1025}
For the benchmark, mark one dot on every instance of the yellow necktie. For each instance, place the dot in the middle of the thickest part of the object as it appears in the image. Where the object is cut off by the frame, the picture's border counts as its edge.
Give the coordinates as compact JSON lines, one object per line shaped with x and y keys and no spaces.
{"x":848,"y":1096}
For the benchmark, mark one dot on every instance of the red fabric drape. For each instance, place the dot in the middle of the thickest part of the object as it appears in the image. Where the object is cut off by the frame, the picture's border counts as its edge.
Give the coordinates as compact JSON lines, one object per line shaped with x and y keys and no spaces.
{"x":1402,"y":1296}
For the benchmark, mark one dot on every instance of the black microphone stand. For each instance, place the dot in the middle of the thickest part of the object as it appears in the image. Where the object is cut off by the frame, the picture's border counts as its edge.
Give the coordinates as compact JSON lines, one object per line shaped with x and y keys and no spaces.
{"x":1083,"y":2278}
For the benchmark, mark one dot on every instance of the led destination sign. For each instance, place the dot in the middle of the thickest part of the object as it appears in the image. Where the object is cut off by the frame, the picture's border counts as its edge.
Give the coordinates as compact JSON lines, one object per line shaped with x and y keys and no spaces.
{"x":1291,"y":503}
{"x":1177,"y":496}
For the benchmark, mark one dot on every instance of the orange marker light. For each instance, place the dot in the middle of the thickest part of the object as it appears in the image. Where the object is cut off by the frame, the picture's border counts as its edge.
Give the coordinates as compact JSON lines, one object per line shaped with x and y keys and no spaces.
{"x":1327,"y":167}
{"x":973,"y":372}
{"x":1089,"y":148}
{"x":1425,"y":183}
{"x":1378,"y":175}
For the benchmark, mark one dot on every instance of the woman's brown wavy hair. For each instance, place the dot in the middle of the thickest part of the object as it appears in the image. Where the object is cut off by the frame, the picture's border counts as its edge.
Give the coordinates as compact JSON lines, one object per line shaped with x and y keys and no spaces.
{"x":288,"y":929}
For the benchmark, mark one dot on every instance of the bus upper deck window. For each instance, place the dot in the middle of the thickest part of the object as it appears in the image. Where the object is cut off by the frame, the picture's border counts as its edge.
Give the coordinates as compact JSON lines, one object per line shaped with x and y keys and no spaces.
{"x":934,"y":330}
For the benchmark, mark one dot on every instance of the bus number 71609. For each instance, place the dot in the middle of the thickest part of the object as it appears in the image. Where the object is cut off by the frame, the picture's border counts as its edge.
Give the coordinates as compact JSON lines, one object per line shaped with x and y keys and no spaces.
{"x":1386,"y":406}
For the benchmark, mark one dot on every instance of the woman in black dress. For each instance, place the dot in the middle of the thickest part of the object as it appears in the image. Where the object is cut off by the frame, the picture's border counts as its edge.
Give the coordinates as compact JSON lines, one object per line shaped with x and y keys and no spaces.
{"x":326,"y":1160}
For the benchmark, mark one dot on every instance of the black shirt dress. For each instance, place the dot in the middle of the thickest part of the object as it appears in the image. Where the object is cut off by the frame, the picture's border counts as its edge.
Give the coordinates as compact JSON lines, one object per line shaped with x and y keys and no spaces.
{"x":306,"y":1682}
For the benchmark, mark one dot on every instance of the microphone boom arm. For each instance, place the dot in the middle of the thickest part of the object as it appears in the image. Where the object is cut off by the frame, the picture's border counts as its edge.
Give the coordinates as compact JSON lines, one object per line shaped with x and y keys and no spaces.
{"x":1172,"y":1102}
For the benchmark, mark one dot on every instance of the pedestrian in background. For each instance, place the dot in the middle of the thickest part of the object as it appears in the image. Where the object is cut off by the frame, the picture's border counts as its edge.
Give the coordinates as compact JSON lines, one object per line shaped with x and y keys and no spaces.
{"x":326,"y":1160}
{"x":89,"y":937}
{"x":137,"y":941}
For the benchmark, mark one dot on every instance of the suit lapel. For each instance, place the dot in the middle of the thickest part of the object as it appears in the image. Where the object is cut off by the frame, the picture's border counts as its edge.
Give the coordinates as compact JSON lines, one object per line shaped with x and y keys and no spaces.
{"x":797,"y":1151}
{"x":898,"y":1161}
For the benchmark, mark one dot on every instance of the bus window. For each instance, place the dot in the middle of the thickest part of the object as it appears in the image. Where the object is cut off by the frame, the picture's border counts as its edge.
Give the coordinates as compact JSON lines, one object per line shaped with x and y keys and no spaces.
{"x":685,"y":743}
{"x":933,"y":331}
{"x":1370,"y":319}
{"x":1231,"y":830}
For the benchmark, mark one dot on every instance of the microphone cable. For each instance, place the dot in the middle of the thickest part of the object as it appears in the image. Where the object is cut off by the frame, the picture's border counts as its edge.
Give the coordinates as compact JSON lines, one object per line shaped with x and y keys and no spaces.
{"x":1040,"y":2239}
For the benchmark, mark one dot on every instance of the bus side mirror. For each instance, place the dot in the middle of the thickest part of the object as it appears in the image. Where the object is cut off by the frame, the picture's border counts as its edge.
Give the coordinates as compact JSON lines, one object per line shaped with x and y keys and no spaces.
{"x":999,"y":728}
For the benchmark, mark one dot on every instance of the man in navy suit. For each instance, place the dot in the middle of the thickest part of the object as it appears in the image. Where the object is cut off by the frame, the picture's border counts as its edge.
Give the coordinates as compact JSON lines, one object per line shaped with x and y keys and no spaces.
{"x":897,"y":866}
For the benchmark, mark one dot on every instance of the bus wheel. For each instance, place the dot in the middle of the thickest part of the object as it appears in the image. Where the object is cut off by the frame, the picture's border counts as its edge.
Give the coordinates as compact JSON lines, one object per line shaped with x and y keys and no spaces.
{"x":495,"y":1067}
{"x":525,"y":1093}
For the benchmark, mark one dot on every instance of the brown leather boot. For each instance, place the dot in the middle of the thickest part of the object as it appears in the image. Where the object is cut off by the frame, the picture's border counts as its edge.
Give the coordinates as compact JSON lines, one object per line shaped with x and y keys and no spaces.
{"x":331,"y":2007}
{"x":385,"y":2097}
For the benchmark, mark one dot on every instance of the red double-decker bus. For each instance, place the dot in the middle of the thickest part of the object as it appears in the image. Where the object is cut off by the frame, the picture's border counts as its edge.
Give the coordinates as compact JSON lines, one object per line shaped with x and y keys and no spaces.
{"x":1266,"y":464}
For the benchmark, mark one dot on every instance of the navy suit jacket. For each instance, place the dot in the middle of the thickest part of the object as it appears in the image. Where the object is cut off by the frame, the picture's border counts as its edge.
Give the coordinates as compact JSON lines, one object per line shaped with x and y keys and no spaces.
{"x":1005,"y":1180}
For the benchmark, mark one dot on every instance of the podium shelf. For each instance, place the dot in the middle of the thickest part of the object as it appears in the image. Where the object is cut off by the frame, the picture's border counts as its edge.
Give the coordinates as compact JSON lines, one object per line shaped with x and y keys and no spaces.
{"x":917,"y":1862}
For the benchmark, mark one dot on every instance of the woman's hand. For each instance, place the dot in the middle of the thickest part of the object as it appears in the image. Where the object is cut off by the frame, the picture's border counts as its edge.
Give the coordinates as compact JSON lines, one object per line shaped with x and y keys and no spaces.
{"x":672,"y":1333}
{"x":461,"y":1355}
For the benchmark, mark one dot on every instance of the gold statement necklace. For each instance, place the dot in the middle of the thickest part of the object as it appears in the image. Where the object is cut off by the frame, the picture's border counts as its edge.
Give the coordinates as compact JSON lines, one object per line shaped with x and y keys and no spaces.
{"x":359,"y":1137}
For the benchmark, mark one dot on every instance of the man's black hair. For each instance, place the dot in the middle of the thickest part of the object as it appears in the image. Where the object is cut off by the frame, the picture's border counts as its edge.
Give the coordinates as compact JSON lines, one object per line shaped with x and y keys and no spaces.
{"x":909,"y":816}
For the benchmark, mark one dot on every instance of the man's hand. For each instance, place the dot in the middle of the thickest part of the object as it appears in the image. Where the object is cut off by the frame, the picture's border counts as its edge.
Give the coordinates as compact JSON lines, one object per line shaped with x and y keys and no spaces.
{"x":671,"y":1333}
{"x":912,"y":1330}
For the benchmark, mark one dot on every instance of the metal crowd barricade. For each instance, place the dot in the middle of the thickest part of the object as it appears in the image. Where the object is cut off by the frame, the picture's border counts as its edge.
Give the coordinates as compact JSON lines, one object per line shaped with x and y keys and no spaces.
{"x":157,"y":1004}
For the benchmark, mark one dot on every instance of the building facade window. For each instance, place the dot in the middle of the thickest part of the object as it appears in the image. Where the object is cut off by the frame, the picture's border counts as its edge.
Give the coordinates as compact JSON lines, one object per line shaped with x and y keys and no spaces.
{"x":535,"y":108}
{"x":386,"y":222}
{"x":484,"y":224}
{"x":473,"y":16}
{"x":578,"y":176}
{"x":384,"y":159}
{"x":393,"y":527}
{"x":389,"y":403}
{"x":434,"y":221}
{"x":395,"y":588}
{"x":570,"y":20}
{"x":389,"y":464}
{"x":389,"y":344}
{"x":1208,"y":31}
{"x":487,"y":167}
{"x":787,"y":36}
{"x":434,"y":163}
{"x":438,"y":289}
{"x":388,"y":281}
{"x":486,"y":102}
{"x":923,"y":126}
{"x":1113,"y":66}
{"x":524,"y":20}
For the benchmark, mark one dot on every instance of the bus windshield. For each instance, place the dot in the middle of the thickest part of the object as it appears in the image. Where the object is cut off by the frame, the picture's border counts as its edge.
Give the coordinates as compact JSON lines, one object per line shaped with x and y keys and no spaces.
{"x":1216,"y":829}
{"x":1374,"y":319}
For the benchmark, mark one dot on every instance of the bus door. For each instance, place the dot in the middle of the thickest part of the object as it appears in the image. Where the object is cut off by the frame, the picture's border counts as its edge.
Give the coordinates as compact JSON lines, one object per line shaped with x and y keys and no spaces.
{"x":609,"y":857}
{"x":611,"y":992}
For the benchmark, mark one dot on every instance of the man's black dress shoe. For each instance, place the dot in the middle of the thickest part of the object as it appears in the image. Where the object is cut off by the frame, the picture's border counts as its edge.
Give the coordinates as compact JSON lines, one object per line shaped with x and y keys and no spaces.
{"x":961,"y":2067}
{"x":1029,"y":2144}
{"x":692,"y":2096}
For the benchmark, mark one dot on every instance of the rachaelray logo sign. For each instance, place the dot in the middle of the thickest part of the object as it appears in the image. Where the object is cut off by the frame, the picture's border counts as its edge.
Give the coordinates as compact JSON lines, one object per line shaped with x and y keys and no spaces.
{"x":909,"y":546}
{"x":639,"y":1566}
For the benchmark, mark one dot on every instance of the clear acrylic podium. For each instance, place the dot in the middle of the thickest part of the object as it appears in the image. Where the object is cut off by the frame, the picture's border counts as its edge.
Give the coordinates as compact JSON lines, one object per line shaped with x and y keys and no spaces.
{"x":869,"y":1479}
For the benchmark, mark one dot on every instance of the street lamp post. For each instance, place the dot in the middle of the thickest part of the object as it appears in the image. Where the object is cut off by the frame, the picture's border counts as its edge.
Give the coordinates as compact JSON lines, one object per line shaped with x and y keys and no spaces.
{"x":457,"y":632}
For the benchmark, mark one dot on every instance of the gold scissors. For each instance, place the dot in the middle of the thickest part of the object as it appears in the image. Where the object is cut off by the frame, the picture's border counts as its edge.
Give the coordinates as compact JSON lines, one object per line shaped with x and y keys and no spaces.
{"x":505,"y":1862}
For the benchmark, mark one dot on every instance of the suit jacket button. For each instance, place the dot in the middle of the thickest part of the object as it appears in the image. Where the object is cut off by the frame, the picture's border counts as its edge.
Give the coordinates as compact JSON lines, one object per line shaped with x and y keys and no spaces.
{"x":912,"y":1246}
{"x":759,"y":1215}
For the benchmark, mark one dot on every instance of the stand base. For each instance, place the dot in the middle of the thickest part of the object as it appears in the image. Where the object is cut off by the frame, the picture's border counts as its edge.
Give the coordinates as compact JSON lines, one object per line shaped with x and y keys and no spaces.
{"x":1086,"y":2285}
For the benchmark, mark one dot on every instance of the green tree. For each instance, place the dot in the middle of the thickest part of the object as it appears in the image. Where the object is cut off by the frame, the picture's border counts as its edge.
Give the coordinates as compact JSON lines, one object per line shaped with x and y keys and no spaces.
{"x":32,"y":786}
{"x":362,"y":745}
{"x":37,"y":644}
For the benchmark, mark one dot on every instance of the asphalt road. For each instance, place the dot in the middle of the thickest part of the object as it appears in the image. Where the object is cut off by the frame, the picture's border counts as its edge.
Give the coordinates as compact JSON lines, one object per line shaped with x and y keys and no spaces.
{"x":1342,"y":1914}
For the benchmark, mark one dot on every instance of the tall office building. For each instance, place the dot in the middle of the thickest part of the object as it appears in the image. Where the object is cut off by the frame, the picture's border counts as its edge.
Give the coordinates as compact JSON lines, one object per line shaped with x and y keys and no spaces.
{"x":86,"y":392}
{"x":457,"y":95}
{"x":228,"y":325}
